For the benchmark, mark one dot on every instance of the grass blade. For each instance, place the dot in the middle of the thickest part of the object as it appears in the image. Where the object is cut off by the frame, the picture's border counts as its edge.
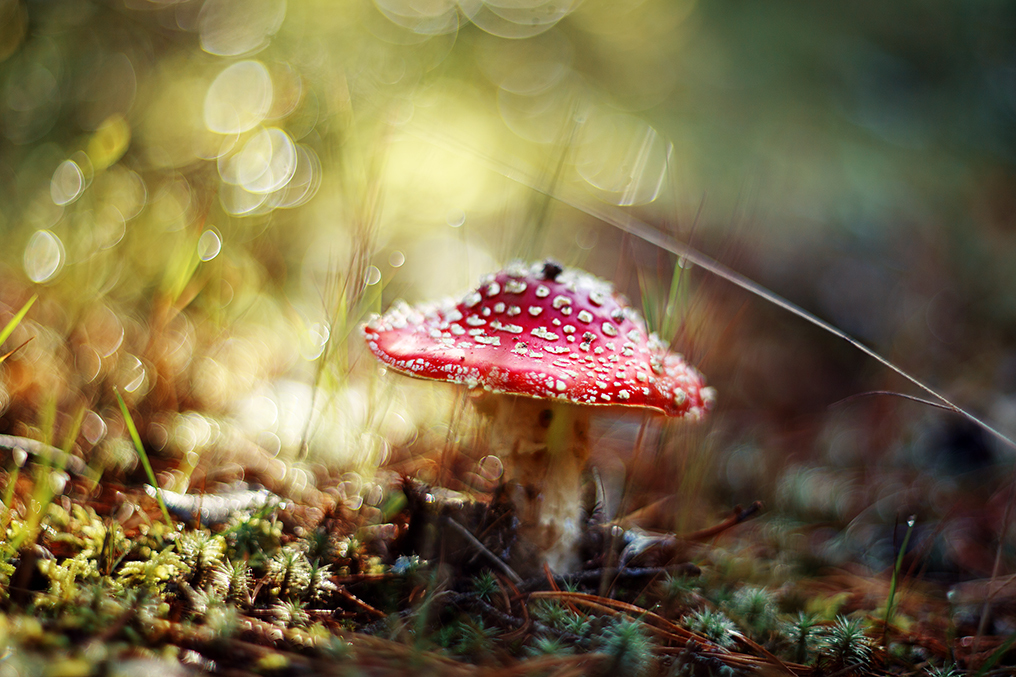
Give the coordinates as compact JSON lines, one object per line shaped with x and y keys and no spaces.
{"x":16,"y":320}
{"x":996,"y":655}
{"x":143,"y":455}
{"x":889,"y":605}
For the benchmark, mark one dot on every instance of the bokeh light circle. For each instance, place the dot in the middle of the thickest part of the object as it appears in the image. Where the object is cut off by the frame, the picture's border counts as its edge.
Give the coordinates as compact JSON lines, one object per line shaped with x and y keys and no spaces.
{"x":623,"y":158}
{"x":209,"y":245}
{"x":44,"y":256}
{"x":236,"y":27}
{"x":67,"y":184}
{"x":239,"y":98}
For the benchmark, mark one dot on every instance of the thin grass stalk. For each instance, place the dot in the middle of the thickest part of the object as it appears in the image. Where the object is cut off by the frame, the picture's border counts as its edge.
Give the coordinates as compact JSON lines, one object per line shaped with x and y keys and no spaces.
{"x":890,"y":606}
{"x":996,"y":655}
{"x":16,"y":320}
{"x":143,"y":455}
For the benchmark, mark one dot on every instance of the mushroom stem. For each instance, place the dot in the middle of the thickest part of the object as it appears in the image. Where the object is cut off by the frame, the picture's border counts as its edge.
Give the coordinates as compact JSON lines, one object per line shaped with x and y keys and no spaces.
{"x":544,"y":447}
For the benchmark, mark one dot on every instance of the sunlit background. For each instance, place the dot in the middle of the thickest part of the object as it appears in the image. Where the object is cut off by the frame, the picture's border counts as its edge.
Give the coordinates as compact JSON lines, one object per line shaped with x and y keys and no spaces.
{"x":209,"y":196}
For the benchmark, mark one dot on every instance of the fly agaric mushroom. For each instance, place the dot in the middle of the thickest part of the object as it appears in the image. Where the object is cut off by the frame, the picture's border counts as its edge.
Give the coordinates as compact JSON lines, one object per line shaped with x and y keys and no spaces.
{"x":543,"y":345}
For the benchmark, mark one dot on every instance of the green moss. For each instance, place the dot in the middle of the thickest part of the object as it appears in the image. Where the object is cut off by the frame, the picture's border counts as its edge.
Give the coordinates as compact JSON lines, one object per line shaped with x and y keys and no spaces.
{"x":628,"y":645}
{"x":714,"y":625}
{"x":152,"y":573}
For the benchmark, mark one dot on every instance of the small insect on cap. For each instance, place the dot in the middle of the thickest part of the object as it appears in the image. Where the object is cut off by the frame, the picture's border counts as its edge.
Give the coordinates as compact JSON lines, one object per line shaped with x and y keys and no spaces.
{"x":541,"y":331}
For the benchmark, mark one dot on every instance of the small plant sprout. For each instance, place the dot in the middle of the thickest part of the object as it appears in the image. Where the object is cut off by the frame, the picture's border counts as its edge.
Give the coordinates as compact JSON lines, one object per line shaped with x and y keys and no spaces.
{"x":467,"y":637}
{"x":549,"y":646}
{"x":485,"y":585}
{"x":552,"y":613}
{"x":678,"y":588}
{"x":542,"y":346}
{"x":629,"y":647}
{"x":755,"y":607}
{"x":844,"y":644}
{"x":714,"y":625}
{"x":291,"y":614}
{"x":289,"y":572}
{"x":320,"y":586}
{"x":201,"y":551}
{"x":801,"y":631}
{"x":229,"y":580}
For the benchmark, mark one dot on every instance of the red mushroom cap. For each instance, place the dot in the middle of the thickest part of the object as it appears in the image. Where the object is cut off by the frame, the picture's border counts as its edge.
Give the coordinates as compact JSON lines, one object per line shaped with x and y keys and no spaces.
{"x":545,"y":332}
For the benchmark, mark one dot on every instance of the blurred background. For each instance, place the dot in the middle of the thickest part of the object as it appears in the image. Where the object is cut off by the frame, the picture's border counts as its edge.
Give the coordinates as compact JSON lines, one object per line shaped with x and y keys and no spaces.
{"x":209,"y":196}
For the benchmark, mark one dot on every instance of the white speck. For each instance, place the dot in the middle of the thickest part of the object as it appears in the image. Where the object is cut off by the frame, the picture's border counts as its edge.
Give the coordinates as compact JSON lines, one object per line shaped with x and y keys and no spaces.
{"x":585,"y":316}
{"x":510,"y":328}
{"x":541,"y":332}
{"x":472,"y":299}
{"x":560,"y":386}
{"x":499,"y":307}
{"x":476,"y":332}
{"x":598,"y":350}
{"x":457,"y":330}
{"x":542,"y":292}
{"x":610,"y":345}
{"x":535,"y":310}
{"x":514,"y":286}
{"x":569,"y":329}
{"x":609,"y":329}
{"x":454,"y":316}
{"x":475,"y":321}
{"x":596,"y":298}
{"x":708,"y":395}
{"x":520,"y":348}
{"x":680,"y":397}
{"x":561,"y":301}
{"x":556,"y":322}
{"x":513,"y":311}
{"x":642,"y":377}
{"x":488,"y":340}
{"x":493,"y":290}
{"x":623,"y":394}
{"x":634,"y":336}
{"x":605,"y":397}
